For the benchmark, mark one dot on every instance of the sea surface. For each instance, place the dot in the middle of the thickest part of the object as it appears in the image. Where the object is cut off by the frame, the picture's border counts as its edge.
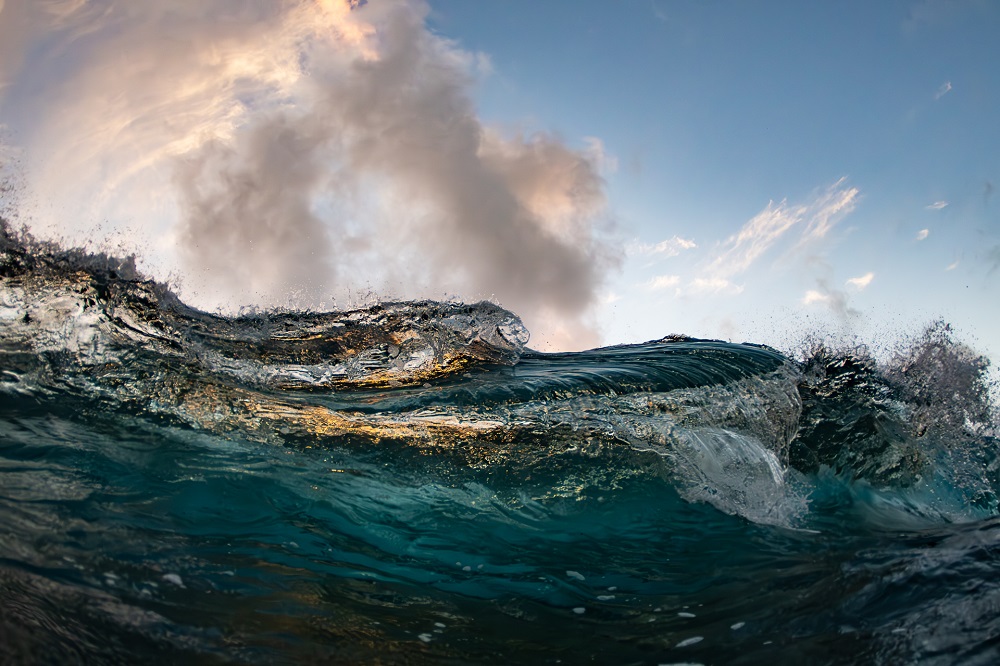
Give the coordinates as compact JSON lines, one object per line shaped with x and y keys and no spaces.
{"x":408,"y":483}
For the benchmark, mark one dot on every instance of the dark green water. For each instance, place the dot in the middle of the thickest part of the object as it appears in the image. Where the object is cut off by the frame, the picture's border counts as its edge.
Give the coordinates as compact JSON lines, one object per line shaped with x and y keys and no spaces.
{"x":408,"y":484}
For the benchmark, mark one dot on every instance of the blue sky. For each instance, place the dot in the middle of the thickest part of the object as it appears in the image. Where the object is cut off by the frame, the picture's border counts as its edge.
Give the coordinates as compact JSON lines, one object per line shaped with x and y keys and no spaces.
{"x":615,"y":171}
{"x":709,"y":111}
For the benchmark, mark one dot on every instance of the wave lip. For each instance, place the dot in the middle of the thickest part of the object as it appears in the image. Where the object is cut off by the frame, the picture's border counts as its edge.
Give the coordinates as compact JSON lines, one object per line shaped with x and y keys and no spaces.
{"x":384,"y":345}
{"x":98,"y":308}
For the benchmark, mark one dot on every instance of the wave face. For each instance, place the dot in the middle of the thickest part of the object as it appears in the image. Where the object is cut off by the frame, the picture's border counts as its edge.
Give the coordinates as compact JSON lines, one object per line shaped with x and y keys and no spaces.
{"x":408,"y":482}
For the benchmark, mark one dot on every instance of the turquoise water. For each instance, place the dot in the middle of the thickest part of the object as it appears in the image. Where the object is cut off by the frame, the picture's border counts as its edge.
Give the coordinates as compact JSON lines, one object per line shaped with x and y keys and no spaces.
{"x":408,"y":483}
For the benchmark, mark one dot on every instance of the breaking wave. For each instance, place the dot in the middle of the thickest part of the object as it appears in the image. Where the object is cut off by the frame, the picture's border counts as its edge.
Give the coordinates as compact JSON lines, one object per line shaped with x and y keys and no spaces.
{"x":411,"y":482}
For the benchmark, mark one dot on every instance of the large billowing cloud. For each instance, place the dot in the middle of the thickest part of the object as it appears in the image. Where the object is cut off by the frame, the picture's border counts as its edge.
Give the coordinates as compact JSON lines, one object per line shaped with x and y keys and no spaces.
{"x":284,"y":153}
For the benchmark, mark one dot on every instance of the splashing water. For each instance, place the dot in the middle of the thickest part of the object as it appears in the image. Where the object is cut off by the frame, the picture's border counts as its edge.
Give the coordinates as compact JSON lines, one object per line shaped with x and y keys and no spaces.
{"x":410,"y":483}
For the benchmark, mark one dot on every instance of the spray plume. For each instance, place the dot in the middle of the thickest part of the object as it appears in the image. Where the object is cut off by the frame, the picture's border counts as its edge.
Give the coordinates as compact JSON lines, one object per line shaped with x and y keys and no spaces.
{"x":280,"y":154}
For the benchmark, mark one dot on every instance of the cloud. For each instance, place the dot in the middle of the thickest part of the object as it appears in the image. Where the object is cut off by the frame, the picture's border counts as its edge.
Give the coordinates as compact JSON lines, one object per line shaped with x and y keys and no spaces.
{"x":943,"y":90}
{"x":835,"y":299}
{"x":813,"y":296}
{"x":714,"y":285}
{"x":661,"y":282}
{"x":755,"y":238}
{"x":861,"y":282}
{"x":765,"y":229}
{"x":923,"y":234}
{"x":609,"y":297}
{"x":304,"y":149}
{"x":953,"y":265}
{"x":772,"y":226}
{"x":595,"y":151}
{"x":937,"y":205}
{"x":826,"y":210}
{"x":670,"y":247}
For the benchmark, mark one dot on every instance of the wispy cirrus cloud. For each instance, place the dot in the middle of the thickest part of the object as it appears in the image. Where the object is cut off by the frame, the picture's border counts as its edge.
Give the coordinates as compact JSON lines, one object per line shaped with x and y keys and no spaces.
{"x":861,"y":282}
{"x":923,"y":234}
{"x":825,"y":211}
{"x":817,"y":217}
{"x":714,"y":285}
{"x":661,"y":282}
{"x":937,"y":205}
{"x":669,"y":247}
{"x":755,"y":238}
{"x":943,"y":90}
{"x":774,"y":225}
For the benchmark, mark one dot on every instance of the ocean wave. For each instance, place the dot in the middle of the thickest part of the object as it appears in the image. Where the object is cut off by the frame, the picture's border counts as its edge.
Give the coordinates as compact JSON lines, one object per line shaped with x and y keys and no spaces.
{"x":170,"y":452}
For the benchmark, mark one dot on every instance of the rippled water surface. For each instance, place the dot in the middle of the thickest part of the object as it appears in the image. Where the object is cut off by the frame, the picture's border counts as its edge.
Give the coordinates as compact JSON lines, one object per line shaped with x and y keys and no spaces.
{"x":407,"y":483}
